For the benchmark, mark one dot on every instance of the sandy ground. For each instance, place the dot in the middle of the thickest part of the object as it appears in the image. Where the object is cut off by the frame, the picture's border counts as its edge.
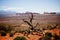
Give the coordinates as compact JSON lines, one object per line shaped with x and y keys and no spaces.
{"x":30,"y":37}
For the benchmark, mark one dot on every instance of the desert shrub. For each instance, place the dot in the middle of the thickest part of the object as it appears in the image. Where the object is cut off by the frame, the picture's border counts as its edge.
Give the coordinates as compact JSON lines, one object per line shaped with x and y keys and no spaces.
{"x":3,"y":27}
{"x":9,"y":28}
{"x":3,"y":33}
{"x":12,"y":33}
{"x":23,"y":38}
{"x":46,"y":37}
{"x":48,"y":34}
{"x":20,"y":38}
{"x":56,"y":37}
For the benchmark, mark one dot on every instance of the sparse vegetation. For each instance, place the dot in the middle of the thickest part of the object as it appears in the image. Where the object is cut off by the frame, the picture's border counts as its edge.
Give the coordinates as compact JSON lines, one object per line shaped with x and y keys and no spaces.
{"x":5,"y":28}
{"x":12,"y":33}
{"x":20,"y":38}
{"x":47,"y":36}
{"x":3,"y":33}
{"x":56,"y":37}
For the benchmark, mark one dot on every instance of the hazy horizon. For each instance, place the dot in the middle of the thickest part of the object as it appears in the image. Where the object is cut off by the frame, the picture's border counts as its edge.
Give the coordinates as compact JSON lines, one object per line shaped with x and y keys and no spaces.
{"x":30,"y":5}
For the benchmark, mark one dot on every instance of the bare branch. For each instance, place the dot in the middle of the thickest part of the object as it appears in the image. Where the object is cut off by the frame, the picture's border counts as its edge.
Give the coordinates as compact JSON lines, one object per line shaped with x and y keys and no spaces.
{"x":31,"y":18}
{"x":31,"y":26}
{"x":36,"y":25}
{"x":55,"y":26}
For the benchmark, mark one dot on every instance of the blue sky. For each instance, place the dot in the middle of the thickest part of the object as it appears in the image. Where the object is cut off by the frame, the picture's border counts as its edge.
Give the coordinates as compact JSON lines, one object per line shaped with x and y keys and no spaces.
{"x":30,"y":5}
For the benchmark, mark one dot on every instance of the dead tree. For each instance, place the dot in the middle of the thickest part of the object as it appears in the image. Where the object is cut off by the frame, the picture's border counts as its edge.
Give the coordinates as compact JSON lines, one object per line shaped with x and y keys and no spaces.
{"x":31,"y":26}
{"x":30,"y":22}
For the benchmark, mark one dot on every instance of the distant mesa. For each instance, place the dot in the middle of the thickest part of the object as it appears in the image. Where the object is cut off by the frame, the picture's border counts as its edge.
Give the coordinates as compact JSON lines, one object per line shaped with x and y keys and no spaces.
{"x":42,"y":18}
{"x":49,"y":12}
{"x":26,"y":13}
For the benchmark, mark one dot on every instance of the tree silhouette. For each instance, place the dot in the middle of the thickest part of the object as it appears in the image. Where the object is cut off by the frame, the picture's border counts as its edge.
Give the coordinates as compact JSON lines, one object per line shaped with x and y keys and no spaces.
{"x":31,"y":26}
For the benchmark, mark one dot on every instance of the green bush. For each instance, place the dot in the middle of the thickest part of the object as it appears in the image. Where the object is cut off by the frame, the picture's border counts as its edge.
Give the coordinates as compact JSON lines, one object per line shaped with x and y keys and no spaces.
{"x":56,"y":37}
{"x":3,"y":33}
{"x":47,"y":36}
{"x":20,"y":38}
